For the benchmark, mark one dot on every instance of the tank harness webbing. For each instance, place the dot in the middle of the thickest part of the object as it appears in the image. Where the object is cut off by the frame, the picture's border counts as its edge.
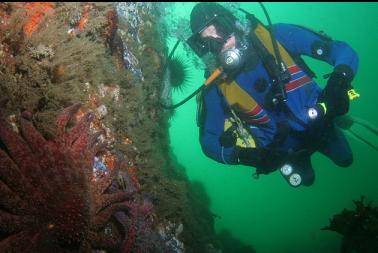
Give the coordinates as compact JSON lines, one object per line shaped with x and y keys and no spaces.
{"x":238,"y":98}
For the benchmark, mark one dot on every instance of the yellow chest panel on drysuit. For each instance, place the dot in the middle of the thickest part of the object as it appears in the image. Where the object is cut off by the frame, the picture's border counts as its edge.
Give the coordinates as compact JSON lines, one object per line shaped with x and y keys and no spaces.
{"x":238,"y":99}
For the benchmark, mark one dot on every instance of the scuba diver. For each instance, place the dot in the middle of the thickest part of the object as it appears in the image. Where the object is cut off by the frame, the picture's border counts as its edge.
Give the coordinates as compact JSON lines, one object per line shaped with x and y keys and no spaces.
{"x":264,"y":109}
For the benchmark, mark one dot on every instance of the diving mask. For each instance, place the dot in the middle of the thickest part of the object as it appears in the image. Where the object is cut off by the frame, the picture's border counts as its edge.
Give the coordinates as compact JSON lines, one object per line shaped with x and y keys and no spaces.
{"x":201,"y":46}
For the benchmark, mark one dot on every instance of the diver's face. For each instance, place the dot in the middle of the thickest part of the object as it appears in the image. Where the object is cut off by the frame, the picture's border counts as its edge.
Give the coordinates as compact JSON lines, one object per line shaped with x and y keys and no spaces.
{"x":210,"y":33}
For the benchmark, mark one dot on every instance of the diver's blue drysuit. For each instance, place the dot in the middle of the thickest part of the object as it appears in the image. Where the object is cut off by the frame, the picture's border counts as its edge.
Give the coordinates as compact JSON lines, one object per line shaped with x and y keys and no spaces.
{"x":302,"y":94}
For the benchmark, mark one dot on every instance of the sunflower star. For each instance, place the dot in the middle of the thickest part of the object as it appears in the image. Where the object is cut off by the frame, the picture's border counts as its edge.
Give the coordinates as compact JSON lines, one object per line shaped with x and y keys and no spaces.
{"x":49,"y":201}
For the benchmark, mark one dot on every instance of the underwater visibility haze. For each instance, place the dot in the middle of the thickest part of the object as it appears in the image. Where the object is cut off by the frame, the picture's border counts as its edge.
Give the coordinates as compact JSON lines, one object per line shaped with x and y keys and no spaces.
{"x":94,"y":159}
{"x":267,"y":213}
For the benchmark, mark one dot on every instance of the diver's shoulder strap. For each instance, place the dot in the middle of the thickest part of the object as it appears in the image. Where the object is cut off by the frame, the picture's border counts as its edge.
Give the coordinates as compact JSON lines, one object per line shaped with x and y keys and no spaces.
{"x":262,"y":41}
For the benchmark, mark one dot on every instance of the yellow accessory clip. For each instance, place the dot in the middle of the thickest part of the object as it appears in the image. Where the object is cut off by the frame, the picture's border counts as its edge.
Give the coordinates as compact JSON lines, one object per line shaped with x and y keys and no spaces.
{"x":352,"y":94}
{"x":323,"y":105}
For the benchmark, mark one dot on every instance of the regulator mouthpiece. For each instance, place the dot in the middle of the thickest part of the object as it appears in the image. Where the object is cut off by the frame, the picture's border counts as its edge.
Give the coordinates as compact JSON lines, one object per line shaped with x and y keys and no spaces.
{"x":231,"y":59}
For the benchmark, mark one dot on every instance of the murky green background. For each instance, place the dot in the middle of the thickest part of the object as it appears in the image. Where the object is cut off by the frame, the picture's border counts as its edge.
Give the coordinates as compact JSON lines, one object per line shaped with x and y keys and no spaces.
{"x":267,"y":213}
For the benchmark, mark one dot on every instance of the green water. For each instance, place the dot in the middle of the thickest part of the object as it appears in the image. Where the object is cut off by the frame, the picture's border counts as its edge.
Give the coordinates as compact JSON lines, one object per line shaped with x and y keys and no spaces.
{"x":267,"y":213}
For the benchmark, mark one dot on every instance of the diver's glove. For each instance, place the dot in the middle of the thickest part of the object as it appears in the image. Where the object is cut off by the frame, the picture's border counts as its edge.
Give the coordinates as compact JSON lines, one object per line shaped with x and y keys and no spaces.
{"x":334,"y":100}
{"x":263,"y":159}
{"x":228,"y":138}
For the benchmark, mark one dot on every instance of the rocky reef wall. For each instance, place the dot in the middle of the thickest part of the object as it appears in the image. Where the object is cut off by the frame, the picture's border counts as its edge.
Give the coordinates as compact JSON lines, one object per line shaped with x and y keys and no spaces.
{"x":109,"y":58}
